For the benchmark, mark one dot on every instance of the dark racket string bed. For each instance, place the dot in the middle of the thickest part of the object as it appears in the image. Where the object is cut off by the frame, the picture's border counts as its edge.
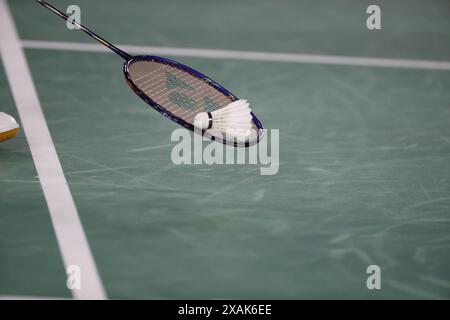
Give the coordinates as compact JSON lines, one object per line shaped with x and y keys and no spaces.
{"x":173,"y":89}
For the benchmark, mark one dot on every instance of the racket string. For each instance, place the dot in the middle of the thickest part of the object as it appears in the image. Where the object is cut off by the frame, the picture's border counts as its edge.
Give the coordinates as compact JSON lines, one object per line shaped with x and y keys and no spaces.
{"x":163,"y":77}
{"x":152,"y":80}
{"x":147,"y":74}
{"x":159,"y":85}
{"x":189,"y":79}
{"x":193,"y":95}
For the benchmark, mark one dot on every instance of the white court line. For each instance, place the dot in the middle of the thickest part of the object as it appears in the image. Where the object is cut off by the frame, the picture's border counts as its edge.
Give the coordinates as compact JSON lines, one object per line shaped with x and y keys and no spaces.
{"x":245,"y":55}
{"x":70,"y":235}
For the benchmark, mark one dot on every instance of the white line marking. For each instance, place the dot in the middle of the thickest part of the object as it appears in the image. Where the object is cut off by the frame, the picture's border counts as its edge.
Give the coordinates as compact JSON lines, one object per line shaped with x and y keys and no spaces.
{"x":245,"y":55}
{"x":66,"y":222}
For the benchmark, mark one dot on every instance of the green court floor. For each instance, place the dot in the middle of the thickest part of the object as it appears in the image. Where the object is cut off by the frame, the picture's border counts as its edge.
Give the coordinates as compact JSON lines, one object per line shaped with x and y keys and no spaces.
{"x":364,"y":172}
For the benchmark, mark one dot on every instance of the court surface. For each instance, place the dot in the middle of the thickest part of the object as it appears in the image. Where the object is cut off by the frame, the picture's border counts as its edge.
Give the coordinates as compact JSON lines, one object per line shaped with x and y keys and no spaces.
{"x":364,"y":176}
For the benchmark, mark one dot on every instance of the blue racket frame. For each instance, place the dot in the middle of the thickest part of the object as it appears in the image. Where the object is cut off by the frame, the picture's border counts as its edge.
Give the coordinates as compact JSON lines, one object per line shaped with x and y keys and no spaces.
{"x":173,"y":117}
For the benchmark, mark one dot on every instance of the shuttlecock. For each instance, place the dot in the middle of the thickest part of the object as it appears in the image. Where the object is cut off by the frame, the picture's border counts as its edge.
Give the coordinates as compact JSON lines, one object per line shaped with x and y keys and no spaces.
{"x":8,"y":127}
{"x":233,"y":120}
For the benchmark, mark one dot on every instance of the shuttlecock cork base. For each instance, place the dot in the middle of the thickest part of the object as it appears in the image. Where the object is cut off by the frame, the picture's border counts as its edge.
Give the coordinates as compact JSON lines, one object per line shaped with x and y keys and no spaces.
{"x":8,"y":127}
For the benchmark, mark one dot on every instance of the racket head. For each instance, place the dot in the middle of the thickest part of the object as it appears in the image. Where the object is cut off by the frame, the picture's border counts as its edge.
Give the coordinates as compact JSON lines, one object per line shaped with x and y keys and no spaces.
{"x":179,"y":93}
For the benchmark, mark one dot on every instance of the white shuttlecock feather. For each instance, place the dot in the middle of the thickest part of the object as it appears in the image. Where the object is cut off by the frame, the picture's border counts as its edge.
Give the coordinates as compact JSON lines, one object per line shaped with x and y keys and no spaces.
{"x":233,"y":120}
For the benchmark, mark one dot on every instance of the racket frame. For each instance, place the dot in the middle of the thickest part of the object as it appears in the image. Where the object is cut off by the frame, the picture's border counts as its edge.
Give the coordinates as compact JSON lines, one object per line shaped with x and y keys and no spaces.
{"x":175,"y":118}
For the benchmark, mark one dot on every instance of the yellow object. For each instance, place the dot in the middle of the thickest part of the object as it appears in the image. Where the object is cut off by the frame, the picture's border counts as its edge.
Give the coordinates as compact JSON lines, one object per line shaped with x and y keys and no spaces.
{"x":8,"y":127}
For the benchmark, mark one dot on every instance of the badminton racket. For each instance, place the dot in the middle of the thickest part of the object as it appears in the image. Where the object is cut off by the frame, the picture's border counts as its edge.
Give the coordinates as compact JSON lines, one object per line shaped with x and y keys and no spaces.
{"x":175,"y":90}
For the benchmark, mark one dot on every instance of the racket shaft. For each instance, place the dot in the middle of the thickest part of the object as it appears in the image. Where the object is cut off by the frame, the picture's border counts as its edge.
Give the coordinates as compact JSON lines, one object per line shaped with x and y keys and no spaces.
{"x":121,"y":53}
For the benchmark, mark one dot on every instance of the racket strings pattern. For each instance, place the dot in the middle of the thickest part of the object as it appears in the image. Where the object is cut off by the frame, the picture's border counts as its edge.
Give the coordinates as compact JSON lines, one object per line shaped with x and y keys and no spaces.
{"x":181,"y":93}
{"x":175,"y":83}
{"x":183,"y":81}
